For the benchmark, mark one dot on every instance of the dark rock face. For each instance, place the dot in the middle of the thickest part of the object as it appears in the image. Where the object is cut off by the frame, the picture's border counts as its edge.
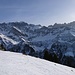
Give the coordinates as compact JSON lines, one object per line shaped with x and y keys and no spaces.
{"x":28,"y":50}
{"x":51,"y":57}
{"x":56,"y":54}
{"x":2,"y":48}
{"x":69,"y":61}
{"x":25,"y":49}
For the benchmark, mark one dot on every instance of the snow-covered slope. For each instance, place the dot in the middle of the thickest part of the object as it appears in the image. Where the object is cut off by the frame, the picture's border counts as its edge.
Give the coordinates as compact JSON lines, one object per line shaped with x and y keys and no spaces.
{"x":19,"y":64}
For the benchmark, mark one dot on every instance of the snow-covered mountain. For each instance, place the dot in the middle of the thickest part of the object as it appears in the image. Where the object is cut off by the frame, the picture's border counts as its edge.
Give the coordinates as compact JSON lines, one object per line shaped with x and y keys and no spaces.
{"x":19,"y":64}
{"x":55,"y":42}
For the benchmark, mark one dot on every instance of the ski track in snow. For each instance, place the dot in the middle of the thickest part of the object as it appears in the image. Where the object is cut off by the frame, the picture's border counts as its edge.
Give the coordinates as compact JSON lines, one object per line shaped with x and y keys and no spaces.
{"x":18,"y":64}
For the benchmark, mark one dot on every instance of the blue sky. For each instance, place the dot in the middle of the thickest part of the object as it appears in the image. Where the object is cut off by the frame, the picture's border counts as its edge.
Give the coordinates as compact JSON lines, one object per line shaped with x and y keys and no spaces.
{"x":44,"y":12}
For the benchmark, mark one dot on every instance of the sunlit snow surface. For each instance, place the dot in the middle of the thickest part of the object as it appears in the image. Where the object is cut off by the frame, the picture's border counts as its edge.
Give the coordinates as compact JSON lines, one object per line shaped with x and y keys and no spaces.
{"x":19,"y":64}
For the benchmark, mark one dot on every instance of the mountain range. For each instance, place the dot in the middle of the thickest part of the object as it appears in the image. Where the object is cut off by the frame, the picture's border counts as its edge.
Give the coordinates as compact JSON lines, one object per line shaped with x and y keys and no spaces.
{"x":54,"y":43}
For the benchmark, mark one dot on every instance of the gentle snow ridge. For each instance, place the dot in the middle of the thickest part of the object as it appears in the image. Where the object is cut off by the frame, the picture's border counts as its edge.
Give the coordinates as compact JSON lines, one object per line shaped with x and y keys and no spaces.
{"x":18,"y":64}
